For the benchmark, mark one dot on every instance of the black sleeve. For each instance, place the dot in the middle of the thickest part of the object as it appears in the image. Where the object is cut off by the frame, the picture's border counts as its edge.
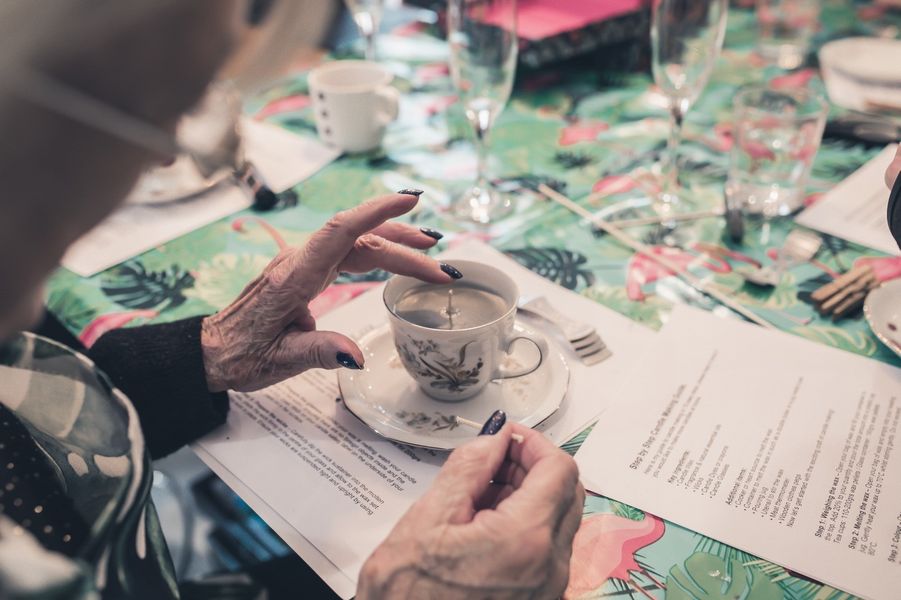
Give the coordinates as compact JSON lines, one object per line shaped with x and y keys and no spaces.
{"x":160,"y":369}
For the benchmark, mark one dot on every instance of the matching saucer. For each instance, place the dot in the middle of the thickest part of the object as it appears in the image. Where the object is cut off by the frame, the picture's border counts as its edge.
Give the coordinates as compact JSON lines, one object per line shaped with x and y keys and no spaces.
{"x":385,"y":397}
{"x":883,"y":312}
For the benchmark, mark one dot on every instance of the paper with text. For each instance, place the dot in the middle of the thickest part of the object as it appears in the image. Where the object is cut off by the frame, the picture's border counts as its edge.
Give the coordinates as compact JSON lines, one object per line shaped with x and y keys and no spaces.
{"x":331,"y":487}
{"x":767,"y":442}
{"x":855,"y":209}
{"x":283,"y":158}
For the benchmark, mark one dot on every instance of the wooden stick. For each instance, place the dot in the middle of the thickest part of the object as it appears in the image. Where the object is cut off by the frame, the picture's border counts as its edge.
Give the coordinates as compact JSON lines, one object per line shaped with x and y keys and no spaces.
{"x":478,"y":427}
{"x":690,"y":216}
{"x":637,"y":246}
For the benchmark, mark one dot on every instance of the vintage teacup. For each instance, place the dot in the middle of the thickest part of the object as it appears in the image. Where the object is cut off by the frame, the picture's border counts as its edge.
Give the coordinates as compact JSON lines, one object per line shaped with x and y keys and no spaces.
{"x":353,"y":103}
{"x":454,"y":339}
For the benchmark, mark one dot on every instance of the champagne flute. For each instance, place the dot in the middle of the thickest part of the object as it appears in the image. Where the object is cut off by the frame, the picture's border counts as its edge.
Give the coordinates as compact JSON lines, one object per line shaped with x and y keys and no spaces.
{"x":367,"y":14}
{"x":483,"y":45}
{"x":686,"y":39}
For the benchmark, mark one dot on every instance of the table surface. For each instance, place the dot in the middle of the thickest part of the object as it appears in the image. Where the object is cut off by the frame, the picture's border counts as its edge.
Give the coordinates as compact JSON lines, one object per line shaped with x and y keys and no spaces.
{"x":579,"y":129}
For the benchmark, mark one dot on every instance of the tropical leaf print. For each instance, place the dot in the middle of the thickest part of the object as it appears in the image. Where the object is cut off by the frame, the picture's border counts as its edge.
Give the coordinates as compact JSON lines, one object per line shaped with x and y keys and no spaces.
{"x":809,"y":286}
{"x":220,"y":280}
{"x":529,"y":183}
{"x":133,"y":286}
{"x":563,"y":267}
{"x":573,"y":160}
{"x":861,"y":342}
{"x":781,"y":297}
{"x":650,"y":312}
{"x":708,"y":577}
{"x":72,"y":309}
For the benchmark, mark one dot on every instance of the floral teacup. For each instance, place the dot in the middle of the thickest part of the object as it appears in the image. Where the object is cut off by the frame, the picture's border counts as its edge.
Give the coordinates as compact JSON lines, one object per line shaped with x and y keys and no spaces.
{"x":456,"y":364}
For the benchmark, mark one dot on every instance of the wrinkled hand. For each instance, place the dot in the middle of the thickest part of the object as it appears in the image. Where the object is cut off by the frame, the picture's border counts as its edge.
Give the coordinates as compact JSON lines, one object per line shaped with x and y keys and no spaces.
{"x":268,"y":333}
{"x":498,"y":523}
{"x":891,"y":173}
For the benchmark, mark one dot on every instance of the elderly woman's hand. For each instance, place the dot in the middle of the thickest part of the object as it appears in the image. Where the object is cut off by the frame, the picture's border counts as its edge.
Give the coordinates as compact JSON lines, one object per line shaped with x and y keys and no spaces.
{"x":891,"y":173}
{"x":498,"y":522}
{"x":268,"y":333}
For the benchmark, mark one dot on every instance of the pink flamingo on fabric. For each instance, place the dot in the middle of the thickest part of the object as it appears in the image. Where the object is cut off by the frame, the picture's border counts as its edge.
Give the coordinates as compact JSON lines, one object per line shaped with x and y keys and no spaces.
{"x":604,"y":548}
{"x":283,"y":105}
{"x":642,"y":270}
{"x":581,"y":131}
{"x":96,"y":328}
{"x":334,"y":296}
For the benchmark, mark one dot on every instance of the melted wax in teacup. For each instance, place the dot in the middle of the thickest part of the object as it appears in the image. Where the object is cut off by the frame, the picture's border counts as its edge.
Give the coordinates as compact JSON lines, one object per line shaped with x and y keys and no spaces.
{"x":449,"y":307}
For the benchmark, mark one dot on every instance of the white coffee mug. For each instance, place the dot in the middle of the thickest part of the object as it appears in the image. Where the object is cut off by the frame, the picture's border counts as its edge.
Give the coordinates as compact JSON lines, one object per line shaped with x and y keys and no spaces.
{"x":456,"y":364}
{"x":353,"y":102}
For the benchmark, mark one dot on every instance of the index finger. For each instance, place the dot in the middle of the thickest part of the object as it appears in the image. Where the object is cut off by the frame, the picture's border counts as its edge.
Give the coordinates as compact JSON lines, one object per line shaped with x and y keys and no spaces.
{"x":331,"y":244}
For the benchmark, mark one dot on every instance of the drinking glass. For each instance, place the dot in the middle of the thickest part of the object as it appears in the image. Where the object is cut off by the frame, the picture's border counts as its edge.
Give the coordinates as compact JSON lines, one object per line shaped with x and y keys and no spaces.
{"x":786,"y":28}
{"x":686,"y":39}
{"x":367,"y":14}
{"x":482,"y":37}
{"x":776,"y":135}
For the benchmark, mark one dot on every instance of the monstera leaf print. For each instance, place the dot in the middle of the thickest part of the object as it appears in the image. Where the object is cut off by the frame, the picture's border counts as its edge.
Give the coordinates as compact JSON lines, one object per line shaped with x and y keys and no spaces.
{"x":563,"y":267}
{"x":529,"y":183}
{"x":133,"y":286}
{"x":709,"y":577}
{"x":573,"y":160}
{"x":835,"y":246}
{"x":809,"y":286}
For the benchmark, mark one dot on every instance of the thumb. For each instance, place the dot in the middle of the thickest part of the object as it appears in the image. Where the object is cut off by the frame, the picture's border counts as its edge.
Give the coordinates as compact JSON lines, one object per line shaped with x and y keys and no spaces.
{"x":467,"y":474}
{"x":304,"y":350}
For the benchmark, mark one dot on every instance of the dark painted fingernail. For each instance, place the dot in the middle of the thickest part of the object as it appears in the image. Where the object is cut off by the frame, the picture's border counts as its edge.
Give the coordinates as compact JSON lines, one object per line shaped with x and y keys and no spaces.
{"x":411,"y":192}
{"x":347,"y":361}
{"x":435,"y":235}
{"x":494,"y":423}
{"x":452,"y":271}
{"x":264,"y":199}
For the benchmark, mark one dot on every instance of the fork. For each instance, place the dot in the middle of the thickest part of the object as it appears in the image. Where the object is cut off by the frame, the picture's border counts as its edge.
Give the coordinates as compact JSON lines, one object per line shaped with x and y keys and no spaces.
{"x":583,"y":338}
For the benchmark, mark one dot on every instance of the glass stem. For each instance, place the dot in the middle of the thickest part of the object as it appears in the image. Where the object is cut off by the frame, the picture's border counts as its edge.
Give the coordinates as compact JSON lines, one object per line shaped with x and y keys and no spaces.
{"x":481,"y":126}
{"x":671,"y":163}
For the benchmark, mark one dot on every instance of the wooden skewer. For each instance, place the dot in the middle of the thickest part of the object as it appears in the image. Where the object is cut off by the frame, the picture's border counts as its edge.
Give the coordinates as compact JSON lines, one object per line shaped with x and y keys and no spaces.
{"x":637,"y":246}
{"x":478,"y":427}
{"x":690,"y":216}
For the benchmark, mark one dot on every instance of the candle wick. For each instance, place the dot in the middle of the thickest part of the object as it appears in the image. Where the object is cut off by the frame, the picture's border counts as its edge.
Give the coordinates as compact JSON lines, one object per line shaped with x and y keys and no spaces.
{"x":450,"y":308}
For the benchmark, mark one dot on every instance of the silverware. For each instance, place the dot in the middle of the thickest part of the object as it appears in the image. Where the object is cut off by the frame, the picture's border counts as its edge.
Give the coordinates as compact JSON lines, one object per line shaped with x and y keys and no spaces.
{"x":800,"y":247}
{"x":583,"y":338}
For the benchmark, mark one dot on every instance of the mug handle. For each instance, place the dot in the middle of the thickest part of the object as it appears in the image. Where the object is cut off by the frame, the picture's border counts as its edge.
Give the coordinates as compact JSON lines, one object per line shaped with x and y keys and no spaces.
{"x":523,"y":332}
{"x":389,"y":102}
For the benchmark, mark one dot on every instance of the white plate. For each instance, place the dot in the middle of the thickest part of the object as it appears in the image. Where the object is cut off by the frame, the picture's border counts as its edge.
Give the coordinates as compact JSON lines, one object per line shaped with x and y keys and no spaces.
{"x":883,"y":311}
{"x":860,"y":70}
{"x":387,"y":399}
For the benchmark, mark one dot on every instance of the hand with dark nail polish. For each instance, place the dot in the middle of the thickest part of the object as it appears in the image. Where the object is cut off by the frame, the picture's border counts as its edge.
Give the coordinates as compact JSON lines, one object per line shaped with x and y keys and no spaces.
{"x":435,"y":235}
{"x":452,"y":271}
{"x":494,"y":423}
{"x":269,"y":333}
{"x":476,"y":525}
{"x":347,"y":361}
